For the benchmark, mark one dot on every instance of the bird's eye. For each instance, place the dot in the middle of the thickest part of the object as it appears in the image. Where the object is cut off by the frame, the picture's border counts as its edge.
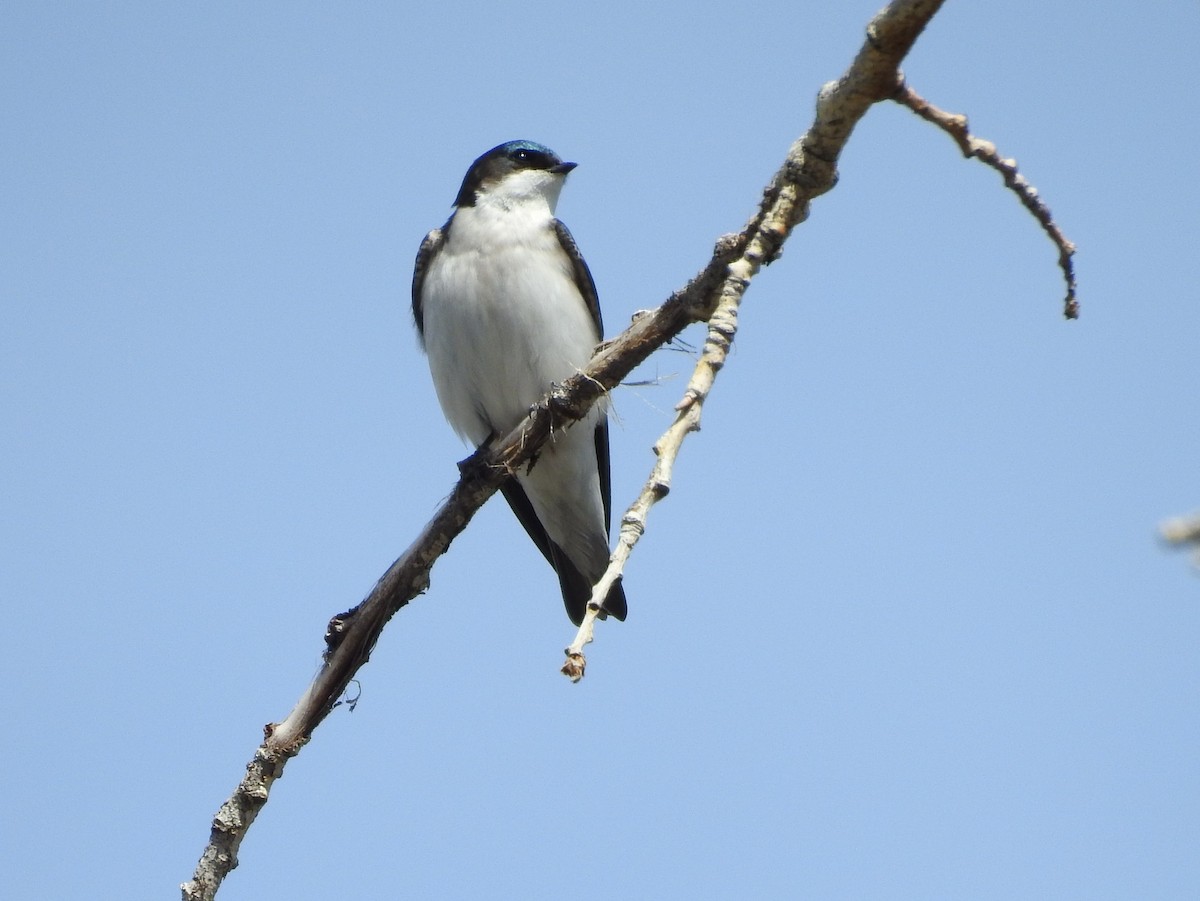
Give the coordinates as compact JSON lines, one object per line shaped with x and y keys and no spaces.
{"x":527,"y":158}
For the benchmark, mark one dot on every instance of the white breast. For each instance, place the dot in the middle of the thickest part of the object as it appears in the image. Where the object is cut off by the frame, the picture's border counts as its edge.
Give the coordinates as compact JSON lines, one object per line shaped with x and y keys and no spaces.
{"x":503,"y":319}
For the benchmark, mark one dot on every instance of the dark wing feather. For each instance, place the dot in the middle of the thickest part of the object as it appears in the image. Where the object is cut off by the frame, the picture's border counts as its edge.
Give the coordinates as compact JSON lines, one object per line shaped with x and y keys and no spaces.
{"x":576,"y":589}
{"x":602,"y":464}
{"x":429,"y":249}
{"x":587,"y":289}
{"x":583,"y":275}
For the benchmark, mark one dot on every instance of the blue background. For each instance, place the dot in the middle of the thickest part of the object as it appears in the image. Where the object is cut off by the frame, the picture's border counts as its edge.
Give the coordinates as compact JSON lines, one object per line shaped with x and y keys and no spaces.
{"x":902,"y":630}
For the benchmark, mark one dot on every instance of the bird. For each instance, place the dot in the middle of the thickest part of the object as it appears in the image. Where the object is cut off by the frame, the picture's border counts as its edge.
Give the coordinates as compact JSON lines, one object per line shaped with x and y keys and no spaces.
{"x":505,"y":307}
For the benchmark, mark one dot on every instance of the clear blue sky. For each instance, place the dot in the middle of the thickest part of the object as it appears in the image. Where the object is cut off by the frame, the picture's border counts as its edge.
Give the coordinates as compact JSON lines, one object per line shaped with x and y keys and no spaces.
{"x":902,"y":629}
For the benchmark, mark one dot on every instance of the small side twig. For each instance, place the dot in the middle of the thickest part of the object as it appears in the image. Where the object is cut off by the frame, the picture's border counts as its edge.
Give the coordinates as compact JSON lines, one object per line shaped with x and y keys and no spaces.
{"x":955,"y":125}
{"x":722,"y":327}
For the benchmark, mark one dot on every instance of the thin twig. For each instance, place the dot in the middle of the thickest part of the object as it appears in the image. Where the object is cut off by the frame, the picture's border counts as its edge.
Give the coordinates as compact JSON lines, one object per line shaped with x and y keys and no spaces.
{"x":955,"y":125}
{"x":722,"y":327}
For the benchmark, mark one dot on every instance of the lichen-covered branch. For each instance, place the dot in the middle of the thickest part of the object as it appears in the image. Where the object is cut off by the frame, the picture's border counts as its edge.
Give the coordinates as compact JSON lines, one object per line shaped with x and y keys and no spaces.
{"x":808,"y":171}
{"x":232,"y":822}
{"x":955,"y":125}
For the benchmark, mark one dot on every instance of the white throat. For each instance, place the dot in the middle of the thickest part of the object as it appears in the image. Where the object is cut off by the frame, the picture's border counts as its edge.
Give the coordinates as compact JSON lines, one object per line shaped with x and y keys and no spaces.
{"x":533,"y":189}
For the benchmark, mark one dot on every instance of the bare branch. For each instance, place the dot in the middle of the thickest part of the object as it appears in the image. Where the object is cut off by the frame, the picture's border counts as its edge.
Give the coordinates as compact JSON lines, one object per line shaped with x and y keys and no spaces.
{"x":955,"y":125}
{"x":809,"y":170}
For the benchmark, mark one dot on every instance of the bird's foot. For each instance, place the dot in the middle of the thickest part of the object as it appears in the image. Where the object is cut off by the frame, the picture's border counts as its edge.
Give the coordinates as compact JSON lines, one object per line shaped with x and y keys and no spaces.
{"x":479,"y":462}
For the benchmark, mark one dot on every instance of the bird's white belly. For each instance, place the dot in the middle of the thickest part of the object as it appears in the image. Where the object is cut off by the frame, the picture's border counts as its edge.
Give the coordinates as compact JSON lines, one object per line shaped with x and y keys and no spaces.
{"x":500,"y":327}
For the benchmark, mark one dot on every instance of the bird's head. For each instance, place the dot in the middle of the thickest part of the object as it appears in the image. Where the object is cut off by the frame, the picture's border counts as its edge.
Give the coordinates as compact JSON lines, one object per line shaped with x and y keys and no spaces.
{"x":514,"y":172}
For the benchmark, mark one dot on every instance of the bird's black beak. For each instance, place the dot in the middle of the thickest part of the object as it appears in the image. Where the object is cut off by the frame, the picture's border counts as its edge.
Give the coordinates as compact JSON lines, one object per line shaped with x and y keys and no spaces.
{"x":563,"y":168}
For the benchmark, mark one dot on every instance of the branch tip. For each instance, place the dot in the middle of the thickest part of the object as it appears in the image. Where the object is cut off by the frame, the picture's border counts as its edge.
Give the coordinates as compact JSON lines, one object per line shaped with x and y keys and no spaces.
{"x":955,"y":125}
{"x":574,"y":668}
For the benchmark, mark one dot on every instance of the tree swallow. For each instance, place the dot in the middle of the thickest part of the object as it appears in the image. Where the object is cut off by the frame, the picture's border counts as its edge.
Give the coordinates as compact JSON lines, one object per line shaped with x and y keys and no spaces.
{"x":505,"y":306}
